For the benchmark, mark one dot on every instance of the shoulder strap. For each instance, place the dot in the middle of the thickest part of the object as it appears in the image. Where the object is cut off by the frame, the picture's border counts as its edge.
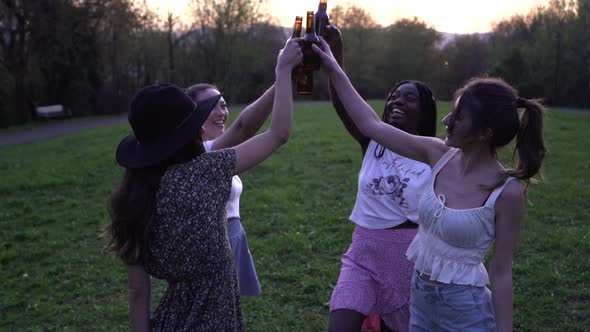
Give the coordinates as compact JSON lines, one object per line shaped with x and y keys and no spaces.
{"x":207,"y":145}
{"x":494,"y":195}
{"x":443,"y":160}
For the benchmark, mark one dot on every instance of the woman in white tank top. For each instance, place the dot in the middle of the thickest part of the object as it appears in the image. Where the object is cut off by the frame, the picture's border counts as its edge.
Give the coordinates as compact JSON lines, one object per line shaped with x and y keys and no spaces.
{"x":373,"y":288}
{"x":216,"y":137}
{"x":470,"y":203}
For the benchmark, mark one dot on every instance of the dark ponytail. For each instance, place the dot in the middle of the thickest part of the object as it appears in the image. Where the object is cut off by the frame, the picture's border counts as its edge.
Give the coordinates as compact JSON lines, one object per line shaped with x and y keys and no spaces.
{"x":530,"y":144}
{"x":493,"y":104}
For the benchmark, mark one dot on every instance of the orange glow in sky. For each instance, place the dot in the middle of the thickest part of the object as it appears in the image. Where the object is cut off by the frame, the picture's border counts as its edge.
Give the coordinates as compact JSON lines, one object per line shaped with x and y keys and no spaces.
{"x":457,"y":16}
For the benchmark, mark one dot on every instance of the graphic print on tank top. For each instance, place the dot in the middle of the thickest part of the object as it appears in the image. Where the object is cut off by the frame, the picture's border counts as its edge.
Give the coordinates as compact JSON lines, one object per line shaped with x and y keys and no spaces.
{"x":393,"y":185}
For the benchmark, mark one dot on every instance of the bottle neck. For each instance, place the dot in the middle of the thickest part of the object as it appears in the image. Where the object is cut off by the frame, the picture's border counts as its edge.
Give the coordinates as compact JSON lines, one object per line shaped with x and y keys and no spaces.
{"x":310,"y":27}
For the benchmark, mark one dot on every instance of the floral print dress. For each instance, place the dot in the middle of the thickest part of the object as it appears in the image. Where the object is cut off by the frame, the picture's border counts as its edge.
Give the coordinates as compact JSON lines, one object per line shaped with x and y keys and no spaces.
{"x":189,"y":247}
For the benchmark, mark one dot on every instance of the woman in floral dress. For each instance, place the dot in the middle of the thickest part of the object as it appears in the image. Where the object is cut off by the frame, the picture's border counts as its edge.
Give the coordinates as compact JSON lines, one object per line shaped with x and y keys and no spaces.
{"x":168,"y":213}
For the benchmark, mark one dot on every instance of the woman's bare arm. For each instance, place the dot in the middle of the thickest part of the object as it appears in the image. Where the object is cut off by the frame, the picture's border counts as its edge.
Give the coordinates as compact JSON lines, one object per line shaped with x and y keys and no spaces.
{"x":139,"y":298}
{"x":260,"y":147}
{"x":334,"y":39}
{"x":425,"y":149}
{"x":248,"y":122}
{"x":509,"y":218}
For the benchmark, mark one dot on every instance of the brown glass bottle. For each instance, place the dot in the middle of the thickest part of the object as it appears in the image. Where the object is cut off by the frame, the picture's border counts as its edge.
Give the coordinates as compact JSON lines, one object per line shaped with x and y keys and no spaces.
{"x":321,"y":18}
{"x":297,"y":27}
{"x":311,"y":60}
{"x":298,"y":73}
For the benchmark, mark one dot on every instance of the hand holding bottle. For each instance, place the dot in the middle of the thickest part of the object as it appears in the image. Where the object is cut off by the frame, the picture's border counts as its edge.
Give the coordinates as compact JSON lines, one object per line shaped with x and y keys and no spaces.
{"x":290,"y":55}
{"x":326,"y":57}
{"x":333,"y":37}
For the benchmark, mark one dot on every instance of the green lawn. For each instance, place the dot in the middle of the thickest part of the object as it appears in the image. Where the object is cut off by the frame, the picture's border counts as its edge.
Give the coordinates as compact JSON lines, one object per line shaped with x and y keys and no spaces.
{"x":295,"y":208}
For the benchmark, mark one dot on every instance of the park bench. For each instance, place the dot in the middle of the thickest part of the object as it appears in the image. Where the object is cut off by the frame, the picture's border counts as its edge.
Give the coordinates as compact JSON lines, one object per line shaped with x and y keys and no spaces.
{"x":52,"y":111}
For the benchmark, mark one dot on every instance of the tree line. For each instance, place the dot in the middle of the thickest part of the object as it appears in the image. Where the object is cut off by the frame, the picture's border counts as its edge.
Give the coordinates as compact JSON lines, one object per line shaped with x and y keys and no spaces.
{"x":91,"y":55}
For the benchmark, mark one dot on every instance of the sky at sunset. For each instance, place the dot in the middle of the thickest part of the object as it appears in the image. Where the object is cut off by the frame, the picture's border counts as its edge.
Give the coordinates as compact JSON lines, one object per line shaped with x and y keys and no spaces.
{"x":456,"y":16}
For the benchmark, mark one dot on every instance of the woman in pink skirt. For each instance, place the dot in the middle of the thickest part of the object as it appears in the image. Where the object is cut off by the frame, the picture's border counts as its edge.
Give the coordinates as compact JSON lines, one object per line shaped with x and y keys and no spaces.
{"x":375,"y":277}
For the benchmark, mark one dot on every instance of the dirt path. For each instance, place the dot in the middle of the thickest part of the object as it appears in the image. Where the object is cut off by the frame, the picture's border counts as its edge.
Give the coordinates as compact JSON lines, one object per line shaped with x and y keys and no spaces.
{"x":56,"y":128}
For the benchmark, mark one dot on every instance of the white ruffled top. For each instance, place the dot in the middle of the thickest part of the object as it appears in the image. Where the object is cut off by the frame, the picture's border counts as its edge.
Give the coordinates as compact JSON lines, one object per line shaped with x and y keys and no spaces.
{"x":451,"y":243}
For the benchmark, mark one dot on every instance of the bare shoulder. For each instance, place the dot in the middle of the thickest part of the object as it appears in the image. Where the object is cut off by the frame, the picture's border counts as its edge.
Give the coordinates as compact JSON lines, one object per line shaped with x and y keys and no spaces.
{"x":513,"y":192}
{"x":437,"y":149}
{"x":511,"y":200}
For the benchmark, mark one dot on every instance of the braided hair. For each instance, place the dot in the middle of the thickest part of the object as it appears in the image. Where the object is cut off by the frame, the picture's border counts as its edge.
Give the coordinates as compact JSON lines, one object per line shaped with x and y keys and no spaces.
{"x":427,"y":117}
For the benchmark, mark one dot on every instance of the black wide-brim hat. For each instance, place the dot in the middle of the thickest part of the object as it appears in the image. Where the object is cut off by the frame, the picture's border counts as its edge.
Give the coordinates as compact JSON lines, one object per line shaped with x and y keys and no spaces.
{"x":163,"y":118}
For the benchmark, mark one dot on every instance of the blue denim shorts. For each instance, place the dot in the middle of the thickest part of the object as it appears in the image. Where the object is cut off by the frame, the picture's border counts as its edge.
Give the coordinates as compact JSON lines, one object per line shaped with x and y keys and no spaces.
{"x":450,"y":307}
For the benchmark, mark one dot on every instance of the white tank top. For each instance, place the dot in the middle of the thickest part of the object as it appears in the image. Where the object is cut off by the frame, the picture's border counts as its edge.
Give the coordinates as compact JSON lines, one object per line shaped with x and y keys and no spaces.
{"x":389,"y":189}
{"x":451,"y":243}
{"x":232,"y":208}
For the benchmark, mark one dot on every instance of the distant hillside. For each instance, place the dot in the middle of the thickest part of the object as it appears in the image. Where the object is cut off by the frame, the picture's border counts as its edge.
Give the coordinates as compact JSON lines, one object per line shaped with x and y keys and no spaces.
{"x":446,"y":36}
{"x":449,"y":37}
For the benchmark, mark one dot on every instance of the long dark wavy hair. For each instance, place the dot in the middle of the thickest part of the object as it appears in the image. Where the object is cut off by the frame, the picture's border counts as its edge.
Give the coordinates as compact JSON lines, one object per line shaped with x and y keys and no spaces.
{"x":132,"y":206}
{"x":427,"y":120}
{"x":494,"y":104}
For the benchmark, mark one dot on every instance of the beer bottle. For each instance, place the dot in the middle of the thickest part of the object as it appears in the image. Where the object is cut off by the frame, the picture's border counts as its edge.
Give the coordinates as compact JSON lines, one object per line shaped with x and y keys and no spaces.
{"x":298,"y":73}
{"x":297,"y":27}
{"x":321,"y":17}
{"x":311,"y":60}
{"x":310,"y":57}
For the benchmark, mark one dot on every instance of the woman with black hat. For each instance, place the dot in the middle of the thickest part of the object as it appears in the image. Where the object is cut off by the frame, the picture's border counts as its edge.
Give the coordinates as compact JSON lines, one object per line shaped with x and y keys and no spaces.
{"x":168,"y":214}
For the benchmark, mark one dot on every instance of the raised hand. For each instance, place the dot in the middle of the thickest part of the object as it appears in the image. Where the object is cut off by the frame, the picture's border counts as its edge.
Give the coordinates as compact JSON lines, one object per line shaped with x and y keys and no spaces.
{"x":290,"y":55}
{"x":326,"y":56}
{"x":333,"y":37}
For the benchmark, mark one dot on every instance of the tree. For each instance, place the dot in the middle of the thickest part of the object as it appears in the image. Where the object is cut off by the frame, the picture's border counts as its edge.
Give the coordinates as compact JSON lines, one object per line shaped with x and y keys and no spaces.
{"x":65,"y":55}
{"x":361,"y":36}
{"x":584,"y":27}
{"x":355,"y":17}
{"x":549,"y":40}
{"x":337,"y":16}
{"x":15,"y":26}
{"x":465,"y":57}
{"x":408,"y":51}
{"x":227,"y":36}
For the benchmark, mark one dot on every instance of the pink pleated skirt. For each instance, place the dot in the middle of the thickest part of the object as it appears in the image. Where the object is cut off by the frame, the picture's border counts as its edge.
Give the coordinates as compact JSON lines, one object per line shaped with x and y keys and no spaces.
{"x":375,"y":278}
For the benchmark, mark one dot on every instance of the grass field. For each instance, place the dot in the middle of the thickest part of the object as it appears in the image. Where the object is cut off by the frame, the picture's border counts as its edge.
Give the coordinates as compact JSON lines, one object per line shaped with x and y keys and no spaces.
{"x":295,"y":207}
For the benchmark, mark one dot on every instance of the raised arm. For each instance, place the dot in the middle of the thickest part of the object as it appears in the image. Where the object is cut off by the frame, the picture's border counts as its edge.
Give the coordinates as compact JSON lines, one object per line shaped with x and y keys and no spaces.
{"x":248,"y":122}
{"x":509,"y":218}
{"x":139,"y":298}
{"x":334,"y":39}
{"x":260,"y":147}
{"x":425,"y":149}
